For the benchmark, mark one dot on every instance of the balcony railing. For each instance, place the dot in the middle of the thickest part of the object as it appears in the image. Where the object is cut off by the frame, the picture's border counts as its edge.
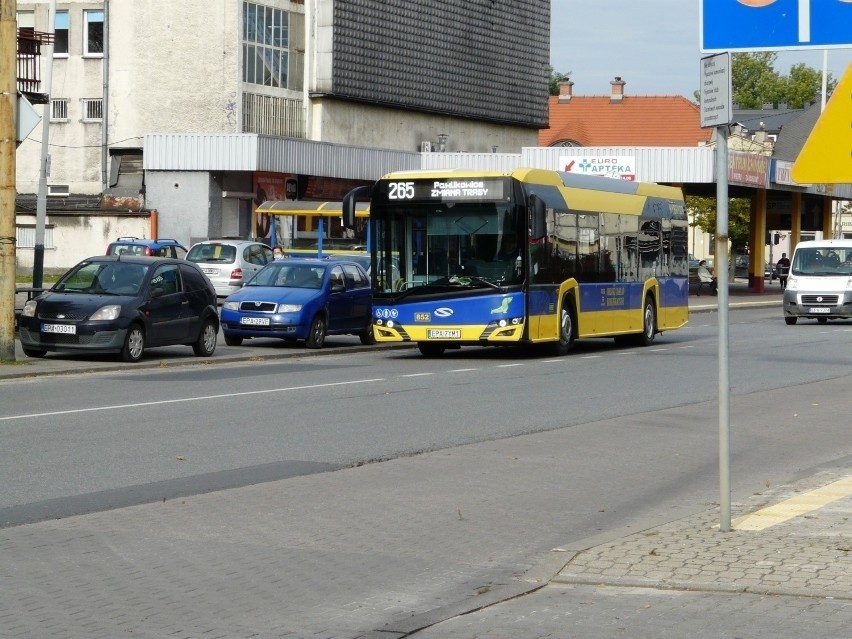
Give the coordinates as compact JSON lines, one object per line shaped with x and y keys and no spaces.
{"x":29,"y":63}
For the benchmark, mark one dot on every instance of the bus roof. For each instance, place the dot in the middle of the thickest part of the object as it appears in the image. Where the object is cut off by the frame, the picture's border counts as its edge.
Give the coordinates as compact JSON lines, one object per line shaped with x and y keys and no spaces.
{"x":553,"y":178}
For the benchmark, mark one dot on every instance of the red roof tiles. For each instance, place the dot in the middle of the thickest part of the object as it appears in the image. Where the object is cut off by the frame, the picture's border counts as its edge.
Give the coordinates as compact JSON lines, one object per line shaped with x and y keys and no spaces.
{"x":635,"y":121}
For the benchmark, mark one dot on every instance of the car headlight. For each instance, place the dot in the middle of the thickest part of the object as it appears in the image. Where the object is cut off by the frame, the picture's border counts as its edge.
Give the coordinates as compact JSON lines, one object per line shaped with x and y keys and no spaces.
{"x":792,"y":283}
{"x":289,"y":308}
{"x":231,"y":306}
{"x":109,"y":312}
{"x":29,"y":309}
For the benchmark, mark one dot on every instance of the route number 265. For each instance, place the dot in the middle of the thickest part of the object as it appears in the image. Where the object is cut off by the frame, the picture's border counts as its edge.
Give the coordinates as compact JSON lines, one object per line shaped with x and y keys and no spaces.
{"x":401,"y":191}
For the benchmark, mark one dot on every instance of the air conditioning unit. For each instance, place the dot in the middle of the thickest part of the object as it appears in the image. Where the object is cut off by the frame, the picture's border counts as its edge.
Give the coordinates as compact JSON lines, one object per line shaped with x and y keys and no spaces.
{"x":425,"y":146}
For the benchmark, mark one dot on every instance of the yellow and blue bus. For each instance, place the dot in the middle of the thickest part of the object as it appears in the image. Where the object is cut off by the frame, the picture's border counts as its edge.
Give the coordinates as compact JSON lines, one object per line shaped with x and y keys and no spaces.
{"x":528,"y":256}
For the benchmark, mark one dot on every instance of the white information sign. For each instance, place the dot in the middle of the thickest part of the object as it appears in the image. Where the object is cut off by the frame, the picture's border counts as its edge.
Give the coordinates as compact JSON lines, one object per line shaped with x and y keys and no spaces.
{"x":716,"y":90}
{"x":619,"y":167}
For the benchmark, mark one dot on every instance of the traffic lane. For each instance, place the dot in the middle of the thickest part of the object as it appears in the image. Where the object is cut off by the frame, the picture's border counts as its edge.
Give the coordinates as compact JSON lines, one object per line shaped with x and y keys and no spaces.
{"x":417,"y":409}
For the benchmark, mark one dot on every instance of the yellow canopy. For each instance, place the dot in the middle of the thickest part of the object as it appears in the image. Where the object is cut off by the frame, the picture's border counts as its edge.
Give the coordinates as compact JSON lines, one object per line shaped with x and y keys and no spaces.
{"x":310,"y":209}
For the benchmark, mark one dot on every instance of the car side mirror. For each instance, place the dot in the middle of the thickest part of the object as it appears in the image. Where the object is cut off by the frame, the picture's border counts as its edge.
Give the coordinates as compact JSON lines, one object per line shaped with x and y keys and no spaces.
{"x":337,"y":287}
{"x":157,"y":291}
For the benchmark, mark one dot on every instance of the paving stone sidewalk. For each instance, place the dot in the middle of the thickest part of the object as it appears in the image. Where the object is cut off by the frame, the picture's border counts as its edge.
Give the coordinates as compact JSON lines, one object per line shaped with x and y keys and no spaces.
{"x":809,"y":555}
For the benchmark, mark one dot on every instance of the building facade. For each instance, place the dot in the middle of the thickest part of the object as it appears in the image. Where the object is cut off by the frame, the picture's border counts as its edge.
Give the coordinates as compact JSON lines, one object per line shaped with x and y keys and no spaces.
{"x":308,"y":78}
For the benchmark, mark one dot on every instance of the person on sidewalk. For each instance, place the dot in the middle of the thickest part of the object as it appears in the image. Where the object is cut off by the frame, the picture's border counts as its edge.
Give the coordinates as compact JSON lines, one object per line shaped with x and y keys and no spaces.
{"x":705,"y":277}
{"x":783,"y":268}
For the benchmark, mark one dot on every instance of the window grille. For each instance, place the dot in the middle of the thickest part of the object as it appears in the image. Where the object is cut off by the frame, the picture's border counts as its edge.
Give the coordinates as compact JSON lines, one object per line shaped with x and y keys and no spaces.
{"x":93,"y":109}
{"x":25,"y":237}
{"x":267,"y":115}
{"x":59,"y":110}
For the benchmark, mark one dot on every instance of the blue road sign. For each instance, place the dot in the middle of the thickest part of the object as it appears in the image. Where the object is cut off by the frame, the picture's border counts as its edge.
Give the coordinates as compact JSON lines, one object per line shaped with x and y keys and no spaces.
{"x":754,"y":25}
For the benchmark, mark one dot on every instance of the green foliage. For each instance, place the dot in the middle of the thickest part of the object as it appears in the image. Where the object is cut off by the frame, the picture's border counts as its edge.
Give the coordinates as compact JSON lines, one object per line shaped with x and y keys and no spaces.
{"x":755,"y":82}
{"x":739,"y":214}
{"x":555,"y":79}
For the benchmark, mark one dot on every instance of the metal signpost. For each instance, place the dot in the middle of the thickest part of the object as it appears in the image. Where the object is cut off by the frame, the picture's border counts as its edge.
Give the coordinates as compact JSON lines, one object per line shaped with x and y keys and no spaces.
{"x":752,"y":25}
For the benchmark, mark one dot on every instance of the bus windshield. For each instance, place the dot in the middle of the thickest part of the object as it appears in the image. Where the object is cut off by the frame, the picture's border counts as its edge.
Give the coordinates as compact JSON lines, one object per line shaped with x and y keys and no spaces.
{"x":467,"y":244}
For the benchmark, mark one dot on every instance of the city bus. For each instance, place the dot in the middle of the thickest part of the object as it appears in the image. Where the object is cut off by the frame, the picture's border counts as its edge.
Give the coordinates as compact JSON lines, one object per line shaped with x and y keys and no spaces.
{"x":528,"y":256}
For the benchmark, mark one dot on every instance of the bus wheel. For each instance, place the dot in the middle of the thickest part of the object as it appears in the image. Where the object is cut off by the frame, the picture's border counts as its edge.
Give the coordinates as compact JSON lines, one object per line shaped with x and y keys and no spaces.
{"x":567,"y":330}
{"x":430,"y":350}
{"x":649,"y":323}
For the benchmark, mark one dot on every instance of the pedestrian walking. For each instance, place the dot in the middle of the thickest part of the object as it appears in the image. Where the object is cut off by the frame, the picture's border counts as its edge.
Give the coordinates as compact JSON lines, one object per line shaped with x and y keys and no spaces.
{"x":783,"y":268}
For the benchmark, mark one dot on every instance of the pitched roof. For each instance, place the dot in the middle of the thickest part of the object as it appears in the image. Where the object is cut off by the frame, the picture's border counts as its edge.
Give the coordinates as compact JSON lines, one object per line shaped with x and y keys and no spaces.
{"x":635,"y":121}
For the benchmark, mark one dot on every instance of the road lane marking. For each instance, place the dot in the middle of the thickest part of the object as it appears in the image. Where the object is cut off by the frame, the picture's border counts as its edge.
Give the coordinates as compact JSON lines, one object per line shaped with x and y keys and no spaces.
{"x":508,"y":365}
{"x":462,"y":370}
{"x":795,"y":506}
{"x":417,"y":374}
{"x":189,"y":399}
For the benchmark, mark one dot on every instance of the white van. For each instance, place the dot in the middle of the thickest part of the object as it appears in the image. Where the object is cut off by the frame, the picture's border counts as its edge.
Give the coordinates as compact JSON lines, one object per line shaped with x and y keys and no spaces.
{"x":820,"y":282}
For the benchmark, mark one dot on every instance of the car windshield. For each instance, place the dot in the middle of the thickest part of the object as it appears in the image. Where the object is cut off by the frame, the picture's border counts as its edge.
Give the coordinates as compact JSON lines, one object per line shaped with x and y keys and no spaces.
{"x":212,"y":253}
{"x":289,"y":275}
{"x":103,"y":278}
{"x":822,"y":261}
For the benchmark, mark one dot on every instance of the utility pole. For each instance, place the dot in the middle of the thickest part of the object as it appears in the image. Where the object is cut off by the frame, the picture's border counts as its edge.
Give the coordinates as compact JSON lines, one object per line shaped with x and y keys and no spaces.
{"x":8,"y":147}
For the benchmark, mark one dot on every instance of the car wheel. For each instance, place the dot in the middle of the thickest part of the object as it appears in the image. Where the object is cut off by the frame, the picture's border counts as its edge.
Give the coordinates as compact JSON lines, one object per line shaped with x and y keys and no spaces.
{"x":567,"y":330}
{"x":430,"y":350}
{"x":790,"y":321}
{"x":206,"y":342}
{"x":134,"y":344}
{"x":233,"y":340}
{"x":649,"y":323}
{"x":33,"y":352}
{"x":367,"y":337}
{"x":316,"y":336}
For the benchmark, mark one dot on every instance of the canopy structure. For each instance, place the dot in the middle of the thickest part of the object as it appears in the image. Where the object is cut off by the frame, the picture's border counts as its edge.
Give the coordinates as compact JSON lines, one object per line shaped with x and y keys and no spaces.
{"x":310,"y":209}
{"x":303,"y":208}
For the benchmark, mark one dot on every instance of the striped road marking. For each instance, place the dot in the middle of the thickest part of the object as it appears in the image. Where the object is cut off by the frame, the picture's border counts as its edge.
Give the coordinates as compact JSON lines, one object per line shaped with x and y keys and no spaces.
{"x":795,"y":507}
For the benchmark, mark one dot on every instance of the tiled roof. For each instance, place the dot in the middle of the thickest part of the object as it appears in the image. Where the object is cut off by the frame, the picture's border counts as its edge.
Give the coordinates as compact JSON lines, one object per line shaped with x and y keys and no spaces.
{"x":635,"y":121}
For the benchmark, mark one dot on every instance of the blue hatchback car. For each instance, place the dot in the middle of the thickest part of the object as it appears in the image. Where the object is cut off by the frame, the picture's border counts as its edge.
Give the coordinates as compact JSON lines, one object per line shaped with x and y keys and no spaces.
{"x":301,"y":299}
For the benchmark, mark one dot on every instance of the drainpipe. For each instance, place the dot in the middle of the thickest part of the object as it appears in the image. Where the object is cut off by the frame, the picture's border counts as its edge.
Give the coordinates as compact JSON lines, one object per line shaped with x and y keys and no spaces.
{"x":105,"y":105}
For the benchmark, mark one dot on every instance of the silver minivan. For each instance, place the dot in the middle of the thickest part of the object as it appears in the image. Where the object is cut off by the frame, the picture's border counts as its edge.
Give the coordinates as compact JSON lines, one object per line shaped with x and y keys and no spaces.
{"x":229,"y":264}
{"x":820,"y":281}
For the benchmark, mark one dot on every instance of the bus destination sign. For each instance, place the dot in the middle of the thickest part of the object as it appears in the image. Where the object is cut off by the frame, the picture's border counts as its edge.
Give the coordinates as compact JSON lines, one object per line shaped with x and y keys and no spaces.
{"x":455,"y":190}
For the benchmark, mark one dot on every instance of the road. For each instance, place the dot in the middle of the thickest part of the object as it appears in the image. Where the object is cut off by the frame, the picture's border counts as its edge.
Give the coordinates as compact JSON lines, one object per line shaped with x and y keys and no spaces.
{"x":529,"y":454}
{"x":129,"y":437}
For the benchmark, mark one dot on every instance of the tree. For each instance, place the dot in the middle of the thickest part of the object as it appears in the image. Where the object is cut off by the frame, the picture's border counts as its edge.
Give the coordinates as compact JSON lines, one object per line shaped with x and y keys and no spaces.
{"x":755,"y":82}
{"x":703,"y":211}
{"x":555,"y":79}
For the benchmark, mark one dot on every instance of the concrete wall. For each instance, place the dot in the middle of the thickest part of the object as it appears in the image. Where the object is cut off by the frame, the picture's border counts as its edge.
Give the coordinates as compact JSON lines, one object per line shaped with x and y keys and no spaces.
{"x":379,"y":127}
{"x":183,"y":200}
{"x":77,"y":237}
{"x":173,"y":67}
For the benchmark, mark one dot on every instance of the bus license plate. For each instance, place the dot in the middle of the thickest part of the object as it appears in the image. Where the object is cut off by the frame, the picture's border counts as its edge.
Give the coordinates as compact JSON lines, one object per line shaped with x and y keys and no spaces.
{"x":255,"y":321}
{"x":819,"y":309}
{"x":67,"y":329}
{"x":444,"y":334}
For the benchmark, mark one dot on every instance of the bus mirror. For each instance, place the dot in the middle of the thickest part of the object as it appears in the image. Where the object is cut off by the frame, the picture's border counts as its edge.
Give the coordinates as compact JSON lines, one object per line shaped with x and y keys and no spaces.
{"x":538,"y":217}
{"x":349,"y":201}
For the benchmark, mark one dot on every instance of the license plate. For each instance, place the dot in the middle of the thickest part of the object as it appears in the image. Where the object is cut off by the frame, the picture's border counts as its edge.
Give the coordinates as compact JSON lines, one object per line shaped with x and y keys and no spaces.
{"x":211,"y":271}
{"x":68,"y":329}
{"x":444,"y":334}
{"x":255,"y":321}
{"x":819,"y":309}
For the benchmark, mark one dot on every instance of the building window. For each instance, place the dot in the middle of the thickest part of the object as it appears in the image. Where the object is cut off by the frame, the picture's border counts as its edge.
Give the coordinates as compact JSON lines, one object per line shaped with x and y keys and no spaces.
{"x":93,"y":109}
{"x":93,"y":33}
{"x":25,"y":21}
{"x":273,"y":47}
{"x":58,"y":190}
{"x":60,"y":30}
{"x":25,"y":237}
{"x":59,"y":110}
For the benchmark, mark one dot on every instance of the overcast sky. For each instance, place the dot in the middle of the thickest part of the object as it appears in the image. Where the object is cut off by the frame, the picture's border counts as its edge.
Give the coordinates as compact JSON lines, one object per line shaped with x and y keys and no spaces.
{"x":651,"y":44}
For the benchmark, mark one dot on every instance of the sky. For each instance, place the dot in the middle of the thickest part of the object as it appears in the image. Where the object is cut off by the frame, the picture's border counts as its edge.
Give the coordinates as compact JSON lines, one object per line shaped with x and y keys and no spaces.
{"x":653,"y":45}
